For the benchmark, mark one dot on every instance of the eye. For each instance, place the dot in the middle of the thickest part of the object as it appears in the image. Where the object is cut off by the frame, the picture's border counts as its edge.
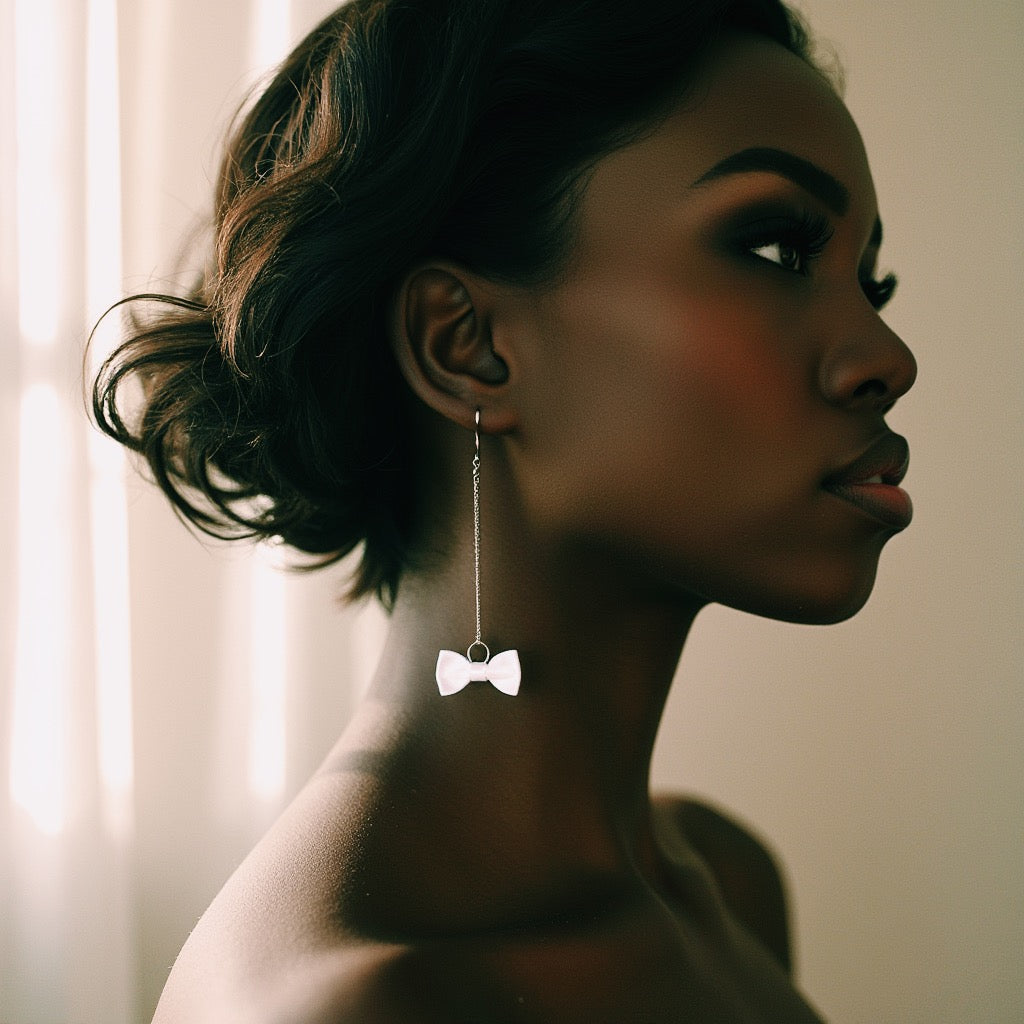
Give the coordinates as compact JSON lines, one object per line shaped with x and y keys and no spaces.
{"x":790,"y":242}
{"x":785,"y":254}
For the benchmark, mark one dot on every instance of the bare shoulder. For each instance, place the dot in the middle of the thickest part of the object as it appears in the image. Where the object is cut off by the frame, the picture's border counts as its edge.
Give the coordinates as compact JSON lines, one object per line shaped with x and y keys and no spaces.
{"x":469,"y":981}
{"x":366,"y":984}
{"x":746,"y":872}
{"x":620,"y":970}
{"x":358,"y":983}
{"x":634,"y":966}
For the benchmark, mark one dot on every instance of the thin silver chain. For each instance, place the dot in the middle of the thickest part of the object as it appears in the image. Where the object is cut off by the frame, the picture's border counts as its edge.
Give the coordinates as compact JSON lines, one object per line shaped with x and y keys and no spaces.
{"x":476,"y":523}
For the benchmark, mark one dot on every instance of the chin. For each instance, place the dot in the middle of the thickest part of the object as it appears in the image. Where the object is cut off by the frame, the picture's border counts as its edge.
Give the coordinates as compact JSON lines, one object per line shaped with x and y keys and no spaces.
{"x":822,"y":614}
{"x":815,"y":599}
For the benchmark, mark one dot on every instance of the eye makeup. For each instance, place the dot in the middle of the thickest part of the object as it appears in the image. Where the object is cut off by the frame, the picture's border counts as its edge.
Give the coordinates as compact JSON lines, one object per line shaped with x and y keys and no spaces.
{"x":799,"y":235}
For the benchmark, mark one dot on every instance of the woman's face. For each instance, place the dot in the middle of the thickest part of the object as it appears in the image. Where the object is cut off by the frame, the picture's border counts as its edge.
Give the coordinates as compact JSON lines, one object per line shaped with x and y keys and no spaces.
{"x":700,"y":390}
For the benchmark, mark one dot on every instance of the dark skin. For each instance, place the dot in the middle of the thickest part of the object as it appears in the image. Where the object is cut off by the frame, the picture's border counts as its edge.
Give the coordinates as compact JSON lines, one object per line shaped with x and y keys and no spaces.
{"x":657,"y":424}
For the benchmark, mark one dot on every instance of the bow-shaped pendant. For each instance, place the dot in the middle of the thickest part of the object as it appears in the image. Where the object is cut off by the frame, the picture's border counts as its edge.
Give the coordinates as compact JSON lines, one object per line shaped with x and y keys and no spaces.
{"x":454,"y":672}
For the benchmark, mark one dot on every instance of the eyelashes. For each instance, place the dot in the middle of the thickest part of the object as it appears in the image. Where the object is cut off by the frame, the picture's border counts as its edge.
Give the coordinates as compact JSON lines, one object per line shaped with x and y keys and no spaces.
{"x":790,"y":241}
{"x":881,"y":291}
{"x":793,"y":241}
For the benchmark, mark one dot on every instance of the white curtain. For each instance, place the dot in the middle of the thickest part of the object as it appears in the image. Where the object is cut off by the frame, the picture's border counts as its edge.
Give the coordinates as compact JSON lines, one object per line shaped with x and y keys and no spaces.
{"x":116,"y":665}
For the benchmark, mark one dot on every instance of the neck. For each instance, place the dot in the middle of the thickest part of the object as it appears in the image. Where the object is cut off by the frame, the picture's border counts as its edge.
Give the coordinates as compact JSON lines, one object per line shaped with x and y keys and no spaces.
{"x":563,"y":766}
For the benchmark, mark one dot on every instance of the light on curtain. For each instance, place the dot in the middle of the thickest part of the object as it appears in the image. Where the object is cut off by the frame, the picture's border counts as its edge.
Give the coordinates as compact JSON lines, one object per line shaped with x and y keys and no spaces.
{"x":131,"y":781}
{"x":42,"y":668}
{"x":108,"y":513}
{"x":66,"y":810}
{"x":269,"y":42}
{"x":38,"y":770}
{"x":50,"y":426}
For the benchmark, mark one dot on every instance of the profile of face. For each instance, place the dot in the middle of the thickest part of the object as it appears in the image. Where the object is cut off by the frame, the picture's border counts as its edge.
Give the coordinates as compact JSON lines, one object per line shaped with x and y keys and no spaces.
{"x":706,"y":386}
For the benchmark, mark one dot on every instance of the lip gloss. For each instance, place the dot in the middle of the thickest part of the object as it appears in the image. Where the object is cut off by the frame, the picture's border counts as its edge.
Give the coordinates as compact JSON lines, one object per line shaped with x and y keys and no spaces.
{"x":887,"y":503}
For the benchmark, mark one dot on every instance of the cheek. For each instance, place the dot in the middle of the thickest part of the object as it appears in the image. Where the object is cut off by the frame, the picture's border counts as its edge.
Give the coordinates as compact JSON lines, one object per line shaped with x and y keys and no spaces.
{"x":670,"y":401}
{"x":720,"y":392}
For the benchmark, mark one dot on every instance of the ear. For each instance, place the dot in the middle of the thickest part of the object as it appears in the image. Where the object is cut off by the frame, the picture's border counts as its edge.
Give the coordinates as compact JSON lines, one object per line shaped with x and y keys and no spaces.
{"x":441,"y":334}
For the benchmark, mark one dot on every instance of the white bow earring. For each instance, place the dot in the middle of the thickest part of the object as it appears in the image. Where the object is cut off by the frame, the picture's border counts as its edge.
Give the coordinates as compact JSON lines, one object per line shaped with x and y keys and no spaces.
{"x":454,"y":672}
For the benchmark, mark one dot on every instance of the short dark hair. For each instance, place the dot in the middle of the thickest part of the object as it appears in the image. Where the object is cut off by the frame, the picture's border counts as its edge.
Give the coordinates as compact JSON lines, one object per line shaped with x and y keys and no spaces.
{"x":398,"y":130}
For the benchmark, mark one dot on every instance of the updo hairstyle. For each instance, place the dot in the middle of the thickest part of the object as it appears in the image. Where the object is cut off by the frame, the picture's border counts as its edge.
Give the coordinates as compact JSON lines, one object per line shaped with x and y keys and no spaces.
{"x":398,"y":130}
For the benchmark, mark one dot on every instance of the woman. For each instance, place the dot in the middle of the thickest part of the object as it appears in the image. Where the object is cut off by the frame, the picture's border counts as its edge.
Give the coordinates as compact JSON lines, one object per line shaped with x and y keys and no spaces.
{"x":567,"y":313}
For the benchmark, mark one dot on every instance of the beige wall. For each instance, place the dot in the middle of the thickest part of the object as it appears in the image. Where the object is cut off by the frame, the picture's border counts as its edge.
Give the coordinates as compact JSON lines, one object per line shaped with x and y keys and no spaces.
{"x":881,"y":757}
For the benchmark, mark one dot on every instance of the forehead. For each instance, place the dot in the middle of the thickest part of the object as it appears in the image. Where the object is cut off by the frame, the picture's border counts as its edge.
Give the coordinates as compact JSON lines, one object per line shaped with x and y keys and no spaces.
{"x":751,"y":94}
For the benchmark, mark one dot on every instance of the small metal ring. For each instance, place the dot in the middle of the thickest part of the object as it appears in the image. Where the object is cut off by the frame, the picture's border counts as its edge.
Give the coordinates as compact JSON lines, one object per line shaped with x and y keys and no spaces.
{"x":487,"y":652}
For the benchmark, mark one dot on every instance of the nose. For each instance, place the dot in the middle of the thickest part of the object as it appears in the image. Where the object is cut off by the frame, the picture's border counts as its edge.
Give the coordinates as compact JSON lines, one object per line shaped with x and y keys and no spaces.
{"x":868,"y":369}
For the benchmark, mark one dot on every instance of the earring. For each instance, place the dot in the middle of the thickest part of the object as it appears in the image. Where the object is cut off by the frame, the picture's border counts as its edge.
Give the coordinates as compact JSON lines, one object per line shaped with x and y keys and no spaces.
{"x":455,"y":672}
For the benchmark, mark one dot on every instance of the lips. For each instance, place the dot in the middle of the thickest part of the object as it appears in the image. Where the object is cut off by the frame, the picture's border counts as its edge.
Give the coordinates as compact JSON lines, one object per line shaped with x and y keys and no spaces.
{"x":871,"y":482}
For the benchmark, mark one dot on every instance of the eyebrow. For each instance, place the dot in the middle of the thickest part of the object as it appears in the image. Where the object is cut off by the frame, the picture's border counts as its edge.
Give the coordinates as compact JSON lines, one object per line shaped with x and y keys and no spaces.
{"x":802,"y":172}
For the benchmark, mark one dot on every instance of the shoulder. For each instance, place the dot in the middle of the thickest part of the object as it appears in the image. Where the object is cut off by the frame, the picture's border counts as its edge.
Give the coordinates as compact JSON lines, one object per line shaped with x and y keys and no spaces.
{"x":747,"y":874}
{"x":608,"y":964}
{"x":447,"y":982}
{"x":339,"y":984}
{"x":363,"y":985}
{"x":615,"y":972}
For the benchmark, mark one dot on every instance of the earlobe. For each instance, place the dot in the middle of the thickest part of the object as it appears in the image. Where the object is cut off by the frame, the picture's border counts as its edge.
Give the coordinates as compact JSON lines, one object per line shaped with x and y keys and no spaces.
{"x":442,"y":341}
